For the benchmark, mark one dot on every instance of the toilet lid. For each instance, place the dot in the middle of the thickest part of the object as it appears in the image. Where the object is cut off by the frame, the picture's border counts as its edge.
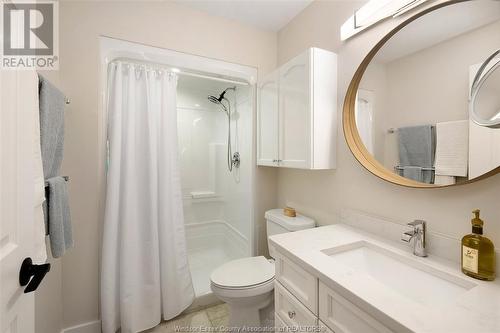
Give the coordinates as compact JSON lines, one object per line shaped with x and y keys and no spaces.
{"x":243,"y":272}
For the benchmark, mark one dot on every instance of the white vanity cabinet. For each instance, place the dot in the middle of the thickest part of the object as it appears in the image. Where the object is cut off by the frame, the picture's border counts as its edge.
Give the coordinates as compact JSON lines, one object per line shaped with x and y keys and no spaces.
{"x":302,"y":300}
{"x":297,"y":113}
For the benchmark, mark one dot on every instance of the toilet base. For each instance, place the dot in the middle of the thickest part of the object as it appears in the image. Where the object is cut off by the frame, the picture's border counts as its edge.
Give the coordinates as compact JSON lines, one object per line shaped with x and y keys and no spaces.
{"x":258,"y":314}
{"x":248,"y":308}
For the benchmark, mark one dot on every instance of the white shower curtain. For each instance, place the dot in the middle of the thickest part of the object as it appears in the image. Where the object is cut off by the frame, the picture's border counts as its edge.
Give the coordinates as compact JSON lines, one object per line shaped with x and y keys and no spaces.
{"x":145,"y":273}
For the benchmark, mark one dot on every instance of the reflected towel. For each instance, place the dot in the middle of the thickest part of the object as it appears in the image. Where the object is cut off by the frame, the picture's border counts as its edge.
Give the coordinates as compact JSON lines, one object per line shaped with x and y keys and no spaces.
{"x":426,"y":175}
{"x":59,"y":220}
{"x":416,"y":146}
{"x":413,"y":172}
{"x":452,"y":151}
{"x":444,"y":180}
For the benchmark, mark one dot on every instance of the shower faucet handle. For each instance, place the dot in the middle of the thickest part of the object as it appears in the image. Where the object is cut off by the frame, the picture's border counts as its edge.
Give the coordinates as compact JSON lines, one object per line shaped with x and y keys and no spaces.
{"x":236,"y":159}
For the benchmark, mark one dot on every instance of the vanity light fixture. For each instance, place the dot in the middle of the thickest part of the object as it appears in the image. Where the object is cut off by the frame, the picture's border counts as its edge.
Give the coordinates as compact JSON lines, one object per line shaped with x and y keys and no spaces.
{"x":373,"y":12}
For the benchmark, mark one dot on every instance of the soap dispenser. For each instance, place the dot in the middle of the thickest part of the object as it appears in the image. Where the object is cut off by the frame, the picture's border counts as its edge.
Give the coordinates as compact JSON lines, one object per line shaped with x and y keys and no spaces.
{"x":478,"y":252}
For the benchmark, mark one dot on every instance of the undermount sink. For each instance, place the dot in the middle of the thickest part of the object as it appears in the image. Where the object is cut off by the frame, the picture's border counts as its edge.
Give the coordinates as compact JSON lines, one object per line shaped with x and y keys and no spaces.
{"x":409,"y":277}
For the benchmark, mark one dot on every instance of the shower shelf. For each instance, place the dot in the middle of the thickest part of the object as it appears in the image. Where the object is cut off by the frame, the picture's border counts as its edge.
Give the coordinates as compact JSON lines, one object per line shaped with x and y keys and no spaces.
{"x":203,"y":194}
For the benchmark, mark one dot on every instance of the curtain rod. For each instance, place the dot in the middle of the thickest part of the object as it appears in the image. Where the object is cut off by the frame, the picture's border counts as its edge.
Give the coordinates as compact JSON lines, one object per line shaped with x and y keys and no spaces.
{"x":179,"y":71}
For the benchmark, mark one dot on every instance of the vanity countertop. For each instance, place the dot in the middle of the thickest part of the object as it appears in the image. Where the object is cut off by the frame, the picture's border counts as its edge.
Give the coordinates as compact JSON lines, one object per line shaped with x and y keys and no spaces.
{"x":476,"y":309}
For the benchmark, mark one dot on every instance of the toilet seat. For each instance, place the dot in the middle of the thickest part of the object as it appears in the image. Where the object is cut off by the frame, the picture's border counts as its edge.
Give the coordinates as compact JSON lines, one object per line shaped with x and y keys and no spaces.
{"x":240,"y":293}
{"x":243,"y":273}
{"x":243,"y":277}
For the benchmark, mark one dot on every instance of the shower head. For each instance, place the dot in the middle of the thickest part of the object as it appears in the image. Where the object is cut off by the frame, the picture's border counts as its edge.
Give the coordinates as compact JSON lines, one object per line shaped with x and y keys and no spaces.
{"x":218,"y":100}
{"x":214,"y":99}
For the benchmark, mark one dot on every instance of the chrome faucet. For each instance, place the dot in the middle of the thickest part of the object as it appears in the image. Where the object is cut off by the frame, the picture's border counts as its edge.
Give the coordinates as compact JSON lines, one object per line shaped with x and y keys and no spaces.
{"x":418,"y":236}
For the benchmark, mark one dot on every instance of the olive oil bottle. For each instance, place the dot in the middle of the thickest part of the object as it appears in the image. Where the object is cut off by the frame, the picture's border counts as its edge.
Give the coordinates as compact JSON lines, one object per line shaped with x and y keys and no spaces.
{"x":478,"y":252}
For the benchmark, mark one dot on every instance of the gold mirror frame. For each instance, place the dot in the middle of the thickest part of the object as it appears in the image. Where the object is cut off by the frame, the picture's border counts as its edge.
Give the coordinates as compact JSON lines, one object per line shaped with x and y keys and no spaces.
{"x":351,"y":133}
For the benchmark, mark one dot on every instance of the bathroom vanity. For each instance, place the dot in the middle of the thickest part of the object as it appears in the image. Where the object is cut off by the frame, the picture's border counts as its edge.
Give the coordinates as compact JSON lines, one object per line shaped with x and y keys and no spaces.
{"x":346,"y":280}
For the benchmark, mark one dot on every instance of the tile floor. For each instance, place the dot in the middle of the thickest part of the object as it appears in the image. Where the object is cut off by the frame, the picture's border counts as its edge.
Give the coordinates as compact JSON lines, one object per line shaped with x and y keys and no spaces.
{"x":214,"y":319}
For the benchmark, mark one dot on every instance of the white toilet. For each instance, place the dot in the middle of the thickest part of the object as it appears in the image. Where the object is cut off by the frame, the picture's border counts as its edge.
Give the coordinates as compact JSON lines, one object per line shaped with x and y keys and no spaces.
{"x":247,"y":284}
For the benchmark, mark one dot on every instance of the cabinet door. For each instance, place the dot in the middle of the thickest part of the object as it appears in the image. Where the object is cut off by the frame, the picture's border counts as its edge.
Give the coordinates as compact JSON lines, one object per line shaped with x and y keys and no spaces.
{"x":344,"y":317}
{"x":267,"y":122}
{"x":295,"y":112}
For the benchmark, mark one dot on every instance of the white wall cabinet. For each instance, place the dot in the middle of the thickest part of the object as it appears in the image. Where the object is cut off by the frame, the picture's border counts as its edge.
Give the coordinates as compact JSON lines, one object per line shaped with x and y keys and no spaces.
{"x":297,"y":114}
{"x":267,"y":122}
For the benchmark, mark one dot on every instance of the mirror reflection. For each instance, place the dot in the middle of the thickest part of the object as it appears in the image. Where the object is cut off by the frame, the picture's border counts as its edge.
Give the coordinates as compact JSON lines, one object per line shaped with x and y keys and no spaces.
{"x":485,"y":97}
{"x":412,"y":109}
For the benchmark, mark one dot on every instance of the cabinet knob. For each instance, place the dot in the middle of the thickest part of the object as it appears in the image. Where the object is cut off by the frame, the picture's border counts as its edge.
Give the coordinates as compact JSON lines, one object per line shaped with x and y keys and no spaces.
{"x":291,"y":314}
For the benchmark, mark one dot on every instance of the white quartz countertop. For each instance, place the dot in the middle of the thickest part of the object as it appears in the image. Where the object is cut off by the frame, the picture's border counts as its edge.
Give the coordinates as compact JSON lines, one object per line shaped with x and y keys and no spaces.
{"x":474,"y":310}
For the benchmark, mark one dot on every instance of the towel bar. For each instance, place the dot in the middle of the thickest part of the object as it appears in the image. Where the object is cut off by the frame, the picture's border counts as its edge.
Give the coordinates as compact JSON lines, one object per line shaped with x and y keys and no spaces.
{"x":66,"y":178}
{"x":398,"y":167}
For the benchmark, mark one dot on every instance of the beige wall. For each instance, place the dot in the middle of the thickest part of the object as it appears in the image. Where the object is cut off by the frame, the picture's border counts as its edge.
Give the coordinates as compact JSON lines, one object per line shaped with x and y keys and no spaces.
{"x":161,"y":24}
{"x":322,"y":194}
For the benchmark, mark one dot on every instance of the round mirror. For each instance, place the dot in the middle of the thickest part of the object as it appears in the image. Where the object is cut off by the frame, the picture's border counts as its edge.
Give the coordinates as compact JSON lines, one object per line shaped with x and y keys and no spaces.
{"x":406,"y":114}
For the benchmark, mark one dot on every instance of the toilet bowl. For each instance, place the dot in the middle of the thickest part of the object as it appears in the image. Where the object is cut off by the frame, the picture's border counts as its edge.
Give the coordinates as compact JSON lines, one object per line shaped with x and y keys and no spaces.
{"x":247,"y":284}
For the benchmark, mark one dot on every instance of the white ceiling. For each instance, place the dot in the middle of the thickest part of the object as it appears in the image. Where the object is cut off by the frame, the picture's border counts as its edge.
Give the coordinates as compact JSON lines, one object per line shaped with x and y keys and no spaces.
{"x":439,"y":26}
{"x":269,"y":15}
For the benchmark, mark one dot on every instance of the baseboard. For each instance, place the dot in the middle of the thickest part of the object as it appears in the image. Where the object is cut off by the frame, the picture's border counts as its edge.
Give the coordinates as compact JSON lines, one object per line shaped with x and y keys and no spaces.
{"x":90,"y":327}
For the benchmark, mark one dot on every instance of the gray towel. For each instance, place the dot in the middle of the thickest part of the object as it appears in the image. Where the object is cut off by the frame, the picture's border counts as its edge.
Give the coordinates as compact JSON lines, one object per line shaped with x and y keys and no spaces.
{"x":59,"y":222}
{"x":52,"y":103}
{"x":417,"y":146}
{"x":427,"y":175}
{"x":413,"y":172}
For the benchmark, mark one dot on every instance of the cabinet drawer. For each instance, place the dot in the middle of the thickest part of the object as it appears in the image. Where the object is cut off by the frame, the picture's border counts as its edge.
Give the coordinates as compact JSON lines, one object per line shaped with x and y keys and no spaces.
{"x":300,"y":283}
{"x":342,"y":316}
{"x":280,"y":326}
{"x":290,"y":310}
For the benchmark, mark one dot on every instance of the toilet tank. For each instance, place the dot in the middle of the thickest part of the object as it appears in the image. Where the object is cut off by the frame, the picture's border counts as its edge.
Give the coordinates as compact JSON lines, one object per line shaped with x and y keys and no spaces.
{"x":277,"y":223}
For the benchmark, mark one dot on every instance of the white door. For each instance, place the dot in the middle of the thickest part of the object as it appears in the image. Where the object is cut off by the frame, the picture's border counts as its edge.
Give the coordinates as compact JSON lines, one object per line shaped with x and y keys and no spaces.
{"x":295,"y":112}
{"x":267,"y":122}
{"x":365,"y":101}
{"x":17,"y":193}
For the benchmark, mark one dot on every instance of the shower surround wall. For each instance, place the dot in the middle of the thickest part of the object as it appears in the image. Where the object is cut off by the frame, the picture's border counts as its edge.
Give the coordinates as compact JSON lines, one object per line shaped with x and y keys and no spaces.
{"x":217,"y":203}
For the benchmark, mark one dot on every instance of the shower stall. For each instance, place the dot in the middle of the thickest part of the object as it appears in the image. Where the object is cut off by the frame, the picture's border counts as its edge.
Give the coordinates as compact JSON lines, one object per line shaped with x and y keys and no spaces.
{"x":216,"y":188}
{"x":215,"y":104}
